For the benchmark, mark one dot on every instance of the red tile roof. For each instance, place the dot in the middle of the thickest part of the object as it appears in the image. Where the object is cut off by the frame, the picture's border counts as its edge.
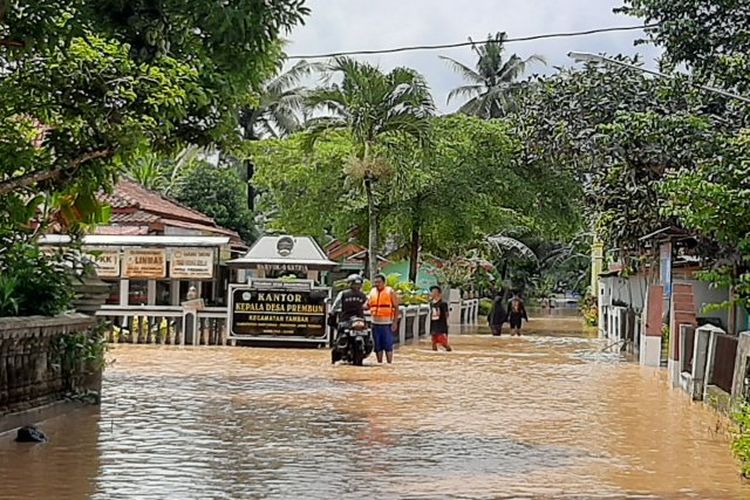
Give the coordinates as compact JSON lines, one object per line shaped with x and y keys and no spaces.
{"x":135,"y":208}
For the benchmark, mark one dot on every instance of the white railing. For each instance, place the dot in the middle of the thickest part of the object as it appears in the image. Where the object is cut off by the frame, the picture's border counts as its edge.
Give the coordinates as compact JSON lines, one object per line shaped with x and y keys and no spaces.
{"x":176,"y":325}
{"x":168,"y":325}
{"x":470,"y":312}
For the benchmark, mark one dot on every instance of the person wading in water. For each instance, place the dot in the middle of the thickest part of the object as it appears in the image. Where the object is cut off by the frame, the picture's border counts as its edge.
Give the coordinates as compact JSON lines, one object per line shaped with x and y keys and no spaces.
{"x":516,"y":315}
{"x":498,"y":315}
{"x":383,"y":303}
{"x":439,"y":320}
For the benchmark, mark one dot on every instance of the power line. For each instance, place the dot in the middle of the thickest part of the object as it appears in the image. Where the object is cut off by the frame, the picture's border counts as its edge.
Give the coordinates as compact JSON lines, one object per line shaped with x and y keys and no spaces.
{"x":467,"y":44}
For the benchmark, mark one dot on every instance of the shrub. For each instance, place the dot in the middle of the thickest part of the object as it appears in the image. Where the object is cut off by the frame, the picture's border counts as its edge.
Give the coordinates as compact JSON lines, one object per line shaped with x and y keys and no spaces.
{"x":33,"y":283}
{"x":741,"y":437}
{"x":589,"y":308}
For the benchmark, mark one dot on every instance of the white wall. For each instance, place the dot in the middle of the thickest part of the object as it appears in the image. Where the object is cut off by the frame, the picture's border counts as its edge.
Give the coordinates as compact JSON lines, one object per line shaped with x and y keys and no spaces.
{"x":630,"y":290}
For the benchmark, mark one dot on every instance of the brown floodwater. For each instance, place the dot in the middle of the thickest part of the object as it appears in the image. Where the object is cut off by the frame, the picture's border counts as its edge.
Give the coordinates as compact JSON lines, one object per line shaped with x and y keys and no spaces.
{"x":547,"y":415}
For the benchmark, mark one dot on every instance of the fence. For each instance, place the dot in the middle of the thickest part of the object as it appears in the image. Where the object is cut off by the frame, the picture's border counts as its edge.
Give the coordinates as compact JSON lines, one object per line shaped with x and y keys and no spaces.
{"x":175,"y":325}
{"x":470,"y":312}
{"x":167,"y":325}
{"x":32,"y":365}
{"x":722,"y":364}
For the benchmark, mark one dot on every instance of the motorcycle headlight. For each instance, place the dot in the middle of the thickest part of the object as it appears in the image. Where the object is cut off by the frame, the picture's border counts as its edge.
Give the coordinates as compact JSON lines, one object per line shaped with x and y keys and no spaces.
{"x":358,"y":325}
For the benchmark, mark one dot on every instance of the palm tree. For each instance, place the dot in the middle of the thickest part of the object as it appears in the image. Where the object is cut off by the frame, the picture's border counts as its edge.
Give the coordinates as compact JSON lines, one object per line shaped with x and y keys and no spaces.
{"x":491,"y":85}
{"x":371,"y":105}
{"x":159,"y":172}
{"x":281,"y":105}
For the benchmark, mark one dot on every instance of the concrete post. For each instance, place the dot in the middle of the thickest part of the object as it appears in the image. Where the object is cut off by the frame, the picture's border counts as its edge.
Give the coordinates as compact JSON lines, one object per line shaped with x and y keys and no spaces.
{"x":402,"y":327}
{"x":428,"y":320}
{"x":415,"y":326}
{"x":454,"y":307}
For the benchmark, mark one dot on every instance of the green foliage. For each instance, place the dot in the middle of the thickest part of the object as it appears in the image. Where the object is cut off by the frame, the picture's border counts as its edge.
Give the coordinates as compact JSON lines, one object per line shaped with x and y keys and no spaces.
{"x":220,"y":194}
{"x":713,"y":200}
{"x":374,"y":108}
{"x":460,"y":188}
{"x":635,"y":153}
{"x":589,"y":308}
{"x":616,"y":133}
{"x":80,"y":354}
{"x":485,"y":307}
{"x":307,"y":192}
{"x":33,"y":283}
{"x":741,"y":437}
{"x":491,"y":86}
{"x":709,"y":37}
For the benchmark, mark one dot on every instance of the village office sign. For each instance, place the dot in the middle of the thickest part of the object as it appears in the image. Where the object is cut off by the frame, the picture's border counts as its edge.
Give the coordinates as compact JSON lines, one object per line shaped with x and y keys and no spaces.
{"x":151,"y":264}
{"x":269,"y":308}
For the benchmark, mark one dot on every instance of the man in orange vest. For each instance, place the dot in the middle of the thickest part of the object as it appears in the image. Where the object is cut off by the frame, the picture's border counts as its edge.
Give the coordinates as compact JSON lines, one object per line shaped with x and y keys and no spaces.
{"x":383,"y":303}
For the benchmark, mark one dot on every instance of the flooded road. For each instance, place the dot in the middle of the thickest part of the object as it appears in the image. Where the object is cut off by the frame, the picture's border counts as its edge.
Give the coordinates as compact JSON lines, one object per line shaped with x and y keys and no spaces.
{"x":546,"y":415}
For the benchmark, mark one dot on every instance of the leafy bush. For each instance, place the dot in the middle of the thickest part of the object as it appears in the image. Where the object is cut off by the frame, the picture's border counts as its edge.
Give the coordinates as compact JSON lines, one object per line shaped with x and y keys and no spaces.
{"x":407,"y":291}
{"x":741,"y":437}
{"x":32,"y":283}
{"x":589,"y":308}
{"x":485,"y":306}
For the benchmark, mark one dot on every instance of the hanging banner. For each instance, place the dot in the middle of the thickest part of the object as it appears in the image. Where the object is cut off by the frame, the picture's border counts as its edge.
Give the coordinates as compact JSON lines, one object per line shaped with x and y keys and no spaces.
{"x":107,"y":263}
{"x":147,"y":264}
{"x":191,"y":263}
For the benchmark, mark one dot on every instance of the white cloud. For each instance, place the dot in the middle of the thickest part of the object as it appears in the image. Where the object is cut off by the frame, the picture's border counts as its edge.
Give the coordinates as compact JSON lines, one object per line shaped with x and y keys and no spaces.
{"x":337,"y":25}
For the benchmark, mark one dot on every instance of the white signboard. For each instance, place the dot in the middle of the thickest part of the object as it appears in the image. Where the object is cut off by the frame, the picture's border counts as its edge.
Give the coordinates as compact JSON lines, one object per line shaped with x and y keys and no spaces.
{"x":192,"y":263}
{"x":107,"y":263}
{"x":144,"y":263}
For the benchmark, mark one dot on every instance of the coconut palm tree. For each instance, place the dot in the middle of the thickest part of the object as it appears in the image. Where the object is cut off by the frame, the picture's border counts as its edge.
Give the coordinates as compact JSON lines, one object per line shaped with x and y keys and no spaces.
{"x":371,"y":105}
{"x":281,"y":105}
{"x":491,"y":84}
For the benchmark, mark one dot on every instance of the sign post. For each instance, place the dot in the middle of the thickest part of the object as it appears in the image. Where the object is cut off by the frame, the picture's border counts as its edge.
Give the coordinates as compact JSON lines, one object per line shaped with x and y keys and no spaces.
{"x":279,"y":311}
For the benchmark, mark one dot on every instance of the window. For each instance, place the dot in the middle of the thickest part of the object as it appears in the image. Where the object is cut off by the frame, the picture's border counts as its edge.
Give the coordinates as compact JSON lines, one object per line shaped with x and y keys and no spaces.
{"x":114,"y":292}
{"x":138,"y":294}
{"x":163,"y":293}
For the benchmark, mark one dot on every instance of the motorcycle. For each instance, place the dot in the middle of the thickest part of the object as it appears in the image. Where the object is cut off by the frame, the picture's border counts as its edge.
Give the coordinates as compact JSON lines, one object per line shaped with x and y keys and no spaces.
{"x":353,"y":343}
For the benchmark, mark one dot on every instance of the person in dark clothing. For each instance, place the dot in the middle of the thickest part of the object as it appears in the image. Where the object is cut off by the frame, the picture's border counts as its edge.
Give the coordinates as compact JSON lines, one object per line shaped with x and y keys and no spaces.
{"x":439,"y":320}
{"x":497,"y":315}
{"x":516,"y":315}
{"x":351,"y":303}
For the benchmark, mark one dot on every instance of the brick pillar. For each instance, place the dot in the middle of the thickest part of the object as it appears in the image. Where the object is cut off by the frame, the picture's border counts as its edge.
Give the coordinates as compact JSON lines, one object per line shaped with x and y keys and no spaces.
{"x":650,"y":353}
{"x":683,"y":312}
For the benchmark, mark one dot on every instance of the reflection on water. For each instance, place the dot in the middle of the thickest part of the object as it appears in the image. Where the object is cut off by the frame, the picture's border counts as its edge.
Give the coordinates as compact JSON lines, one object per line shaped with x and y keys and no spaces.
{"x":544,"y":415}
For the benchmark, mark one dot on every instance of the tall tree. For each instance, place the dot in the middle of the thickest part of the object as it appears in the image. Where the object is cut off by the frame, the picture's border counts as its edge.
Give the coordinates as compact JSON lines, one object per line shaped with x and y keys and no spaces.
{"x":374,"y":107}
{"x":491,"y":85}
{"x":709,"y":36}
{"x":281,"y":103}
{"x":92,"y":79}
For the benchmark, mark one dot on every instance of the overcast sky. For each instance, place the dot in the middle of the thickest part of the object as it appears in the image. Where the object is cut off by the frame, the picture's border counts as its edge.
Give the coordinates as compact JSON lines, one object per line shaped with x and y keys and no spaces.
{"x":337,"y":25}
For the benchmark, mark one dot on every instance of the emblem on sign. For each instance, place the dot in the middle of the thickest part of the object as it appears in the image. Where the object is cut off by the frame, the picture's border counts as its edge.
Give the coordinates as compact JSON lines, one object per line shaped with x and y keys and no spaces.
{"x":285,"y":245}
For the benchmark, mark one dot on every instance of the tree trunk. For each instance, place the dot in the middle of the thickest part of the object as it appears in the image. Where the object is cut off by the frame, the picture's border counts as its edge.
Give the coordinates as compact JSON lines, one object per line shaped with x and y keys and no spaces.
{"x":414,"y":259}
{"x":372,"y":251}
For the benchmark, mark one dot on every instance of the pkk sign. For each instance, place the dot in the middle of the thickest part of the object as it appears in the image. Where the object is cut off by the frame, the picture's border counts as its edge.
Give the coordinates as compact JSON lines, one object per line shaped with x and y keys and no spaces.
{"x":107,"y":264}
{"x":145,"y":264}
{"x":277,"y":313}
{"x":192,"y":264}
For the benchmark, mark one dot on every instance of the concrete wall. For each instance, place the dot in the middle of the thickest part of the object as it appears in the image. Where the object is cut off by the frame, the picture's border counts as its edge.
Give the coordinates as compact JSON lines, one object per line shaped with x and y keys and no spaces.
{"x":31,"y":375}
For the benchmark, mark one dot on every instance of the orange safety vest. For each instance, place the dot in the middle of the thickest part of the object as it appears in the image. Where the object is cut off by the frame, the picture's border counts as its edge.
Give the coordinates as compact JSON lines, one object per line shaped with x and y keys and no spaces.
{"x":382,"y":304}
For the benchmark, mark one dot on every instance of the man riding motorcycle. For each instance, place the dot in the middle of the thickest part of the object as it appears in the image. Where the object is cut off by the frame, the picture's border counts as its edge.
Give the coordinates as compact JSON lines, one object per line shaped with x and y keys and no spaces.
{"x":349,"y":305}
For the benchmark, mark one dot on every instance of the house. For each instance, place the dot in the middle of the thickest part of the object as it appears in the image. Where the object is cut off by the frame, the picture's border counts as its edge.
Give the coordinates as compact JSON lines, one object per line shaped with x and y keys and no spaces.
{"x":154,"y":249}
